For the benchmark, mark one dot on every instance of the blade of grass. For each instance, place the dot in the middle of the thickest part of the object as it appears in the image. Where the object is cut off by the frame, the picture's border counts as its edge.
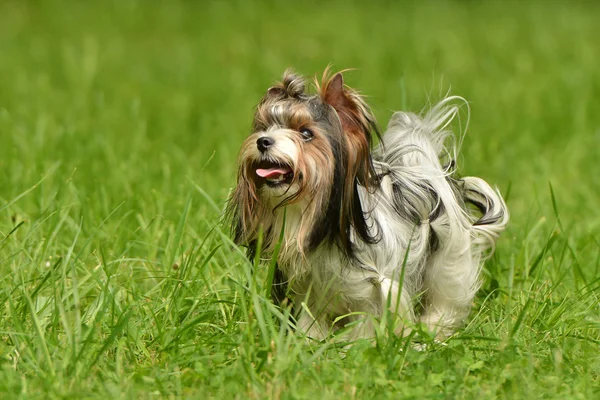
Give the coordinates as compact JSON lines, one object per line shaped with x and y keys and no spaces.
{"x":41,"y":339}
{"x":51,"y":171}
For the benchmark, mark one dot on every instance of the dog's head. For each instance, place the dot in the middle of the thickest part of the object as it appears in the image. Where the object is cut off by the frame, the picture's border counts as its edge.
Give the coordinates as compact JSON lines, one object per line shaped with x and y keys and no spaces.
{"x":310,"y":150}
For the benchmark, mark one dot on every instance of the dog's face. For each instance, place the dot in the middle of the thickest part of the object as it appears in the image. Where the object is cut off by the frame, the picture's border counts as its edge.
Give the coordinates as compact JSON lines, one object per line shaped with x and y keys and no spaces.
{"x":289,"y":155}
{"x":304,"y":149}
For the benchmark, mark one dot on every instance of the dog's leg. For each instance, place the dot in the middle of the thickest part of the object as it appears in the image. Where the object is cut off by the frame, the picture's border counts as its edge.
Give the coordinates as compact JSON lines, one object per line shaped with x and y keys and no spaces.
{"x":450,"y":283}
{"x":314,"y":328}
{"x":400,"y":305}
{"x":371,"y":297}
{"x":311,"y":318}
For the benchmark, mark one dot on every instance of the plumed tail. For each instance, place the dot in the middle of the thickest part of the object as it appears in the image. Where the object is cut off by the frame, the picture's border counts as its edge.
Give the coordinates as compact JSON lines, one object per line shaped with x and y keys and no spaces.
{"x":460,"y":217}
{"x":491,"y":215}
{"x":423,"y":150}
{"x":414,"y":140}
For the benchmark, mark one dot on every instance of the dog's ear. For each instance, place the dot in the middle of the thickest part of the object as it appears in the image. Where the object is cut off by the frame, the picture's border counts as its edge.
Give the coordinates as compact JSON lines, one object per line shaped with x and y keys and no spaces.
{"x":354,"y":114}
{"x":358,"y":122}
{"x":332,"y":92}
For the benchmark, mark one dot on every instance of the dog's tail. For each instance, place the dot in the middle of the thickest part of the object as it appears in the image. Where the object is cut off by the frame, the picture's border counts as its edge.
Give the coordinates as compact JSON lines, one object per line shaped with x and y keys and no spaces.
{"x":413,"y":141}
{"x":421,"y":152}
{"x":491,"y":214}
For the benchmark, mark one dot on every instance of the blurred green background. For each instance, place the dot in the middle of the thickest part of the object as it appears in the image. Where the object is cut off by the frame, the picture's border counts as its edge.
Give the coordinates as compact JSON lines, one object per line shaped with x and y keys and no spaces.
{"x":166,"y":89}
{"x":114,"y":113}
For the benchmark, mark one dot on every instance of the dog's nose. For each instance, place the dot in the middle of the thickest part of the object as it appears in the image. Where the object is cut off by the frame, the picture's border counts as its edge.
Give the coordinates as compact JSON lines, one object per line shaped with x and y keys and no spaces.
{"x":263,"y":143}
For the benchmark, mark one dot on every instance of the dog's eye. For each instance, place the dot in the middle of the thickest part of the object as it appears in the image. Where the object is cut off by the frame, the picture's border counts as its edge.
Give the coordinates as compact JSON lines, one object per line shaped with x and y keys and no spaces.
{"x":307,"y":134}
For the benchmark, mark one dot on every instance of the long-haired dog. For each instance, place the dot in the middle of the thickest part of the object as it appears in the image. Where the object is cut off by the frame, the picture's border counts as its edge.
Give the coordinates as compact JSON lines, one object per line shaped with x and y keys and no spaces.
{"x":358,"y":231}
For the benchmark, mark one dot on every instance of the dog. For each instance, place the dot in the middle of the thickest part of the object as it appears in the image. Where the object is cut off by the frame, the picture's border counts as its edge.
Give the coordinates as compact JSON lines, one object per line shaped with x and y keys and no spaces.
{"x":357,"y":231}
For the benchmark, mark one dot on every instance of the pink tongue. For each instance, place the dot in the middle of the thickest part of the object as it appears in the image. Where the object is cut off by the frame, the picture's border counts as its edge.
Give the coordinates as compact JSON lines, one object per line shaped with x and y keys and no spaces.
{"x":272,"y":172}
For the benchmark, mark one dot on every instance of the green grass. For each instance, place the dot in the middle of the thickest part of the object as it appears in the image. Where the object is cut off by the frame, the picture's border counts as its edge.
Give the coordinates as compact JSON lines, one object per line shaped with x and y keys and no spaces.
{"x":119,"y":127}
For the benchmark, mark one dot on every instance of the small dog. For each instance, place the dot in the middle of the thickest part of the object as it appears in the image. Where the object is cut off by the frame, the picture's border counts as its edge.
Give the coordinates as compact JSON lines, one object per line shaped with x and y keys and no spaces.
{"x":358,"y":231}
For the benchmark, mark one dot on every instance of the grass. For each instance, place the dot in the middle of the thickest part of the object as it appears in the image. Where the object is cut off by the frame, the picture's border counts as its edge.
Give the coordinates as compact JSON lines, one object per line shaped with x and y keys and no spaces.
{"x":119,"y":126}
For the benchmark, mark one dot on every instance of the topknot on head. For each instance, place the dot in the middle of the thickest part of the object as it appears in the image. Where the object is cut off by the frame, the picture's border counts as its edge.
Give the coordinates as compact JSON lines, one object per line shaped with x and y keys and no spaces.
{"x":292,"y":85}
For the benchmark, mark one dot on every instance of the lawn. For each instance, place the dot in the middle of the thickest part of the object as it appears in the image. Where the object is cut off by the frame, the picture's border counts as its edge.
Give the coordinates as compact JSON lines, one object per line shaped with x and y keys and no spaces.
{"x":119,"y":127}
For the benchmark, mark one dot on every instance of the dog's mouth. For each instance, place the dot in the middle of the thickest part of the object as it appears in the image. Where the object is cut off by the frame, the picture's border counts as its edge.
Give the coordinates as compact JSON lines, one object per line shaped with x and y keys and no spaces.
{"x":274,"y":174}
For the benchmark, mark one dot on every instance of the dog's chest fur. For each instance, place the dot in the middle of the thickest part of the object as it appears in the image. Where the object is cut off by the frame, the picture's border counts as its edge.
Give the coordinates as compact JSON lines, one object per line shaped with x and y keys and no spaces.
{"x":334,"y":282}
